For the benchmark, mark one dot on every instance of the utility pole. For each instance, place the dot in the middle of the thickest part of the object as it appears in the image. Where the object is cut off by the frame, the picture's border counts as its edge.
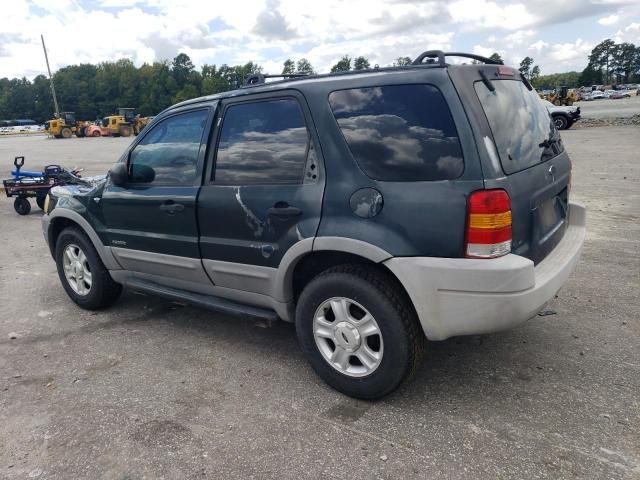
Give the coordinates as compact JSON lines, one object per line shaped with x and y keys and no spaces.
{"x":53,"y":90}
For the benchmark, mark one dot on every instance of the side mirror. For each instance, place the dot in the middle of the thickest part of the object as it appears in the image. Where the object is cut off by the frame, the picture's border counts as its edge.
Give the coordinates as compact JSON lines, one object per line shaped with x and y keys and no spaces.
{"x":118,"y":174}
{"x":142,"y":173}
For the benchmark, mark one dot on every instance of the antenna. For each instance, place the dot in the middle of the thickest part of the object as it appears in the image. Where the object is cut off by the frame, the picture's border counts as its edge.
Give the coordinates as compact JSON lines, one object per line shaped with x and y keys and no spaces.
{"x":53,"y":90}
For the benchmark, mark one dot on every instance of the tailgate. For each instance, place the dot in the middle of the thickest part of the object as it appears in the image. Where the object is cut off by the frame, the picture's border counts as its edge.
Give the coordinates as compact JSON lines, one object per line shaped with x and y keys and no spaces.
{"x":524,"y":155}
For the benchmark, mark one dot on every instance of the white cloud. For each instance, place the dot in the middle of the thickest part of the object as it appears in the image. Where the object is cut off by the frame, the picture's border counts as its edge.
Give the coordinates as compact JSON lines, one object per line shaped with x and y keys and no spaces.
{"x":269,"y":31}
{"x":479,"y":14}
{"x":630,"y":33}
{"x":519,"y":37}
{"x":539,"y":45}
{"x":610,"y":20}
{"x":564,"y":53}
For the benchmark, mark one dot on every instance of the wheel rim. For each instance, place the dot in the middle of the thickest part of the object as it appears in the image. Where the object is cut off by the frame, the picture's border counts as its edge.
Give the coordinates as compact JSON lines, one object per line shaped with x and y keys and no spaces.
{"x":559,"y":123}
{"x":76,"y":269}
{"x":348,"y":337}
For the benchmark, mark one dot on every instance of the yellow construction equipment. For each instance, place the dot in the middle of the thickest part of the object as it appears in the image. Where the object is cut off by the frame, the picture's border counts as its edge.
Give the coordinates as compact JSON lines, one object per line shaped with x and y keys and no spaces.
{"x":125,"y":123}
{"x":65,"y":125}
{"x":563,"y":96}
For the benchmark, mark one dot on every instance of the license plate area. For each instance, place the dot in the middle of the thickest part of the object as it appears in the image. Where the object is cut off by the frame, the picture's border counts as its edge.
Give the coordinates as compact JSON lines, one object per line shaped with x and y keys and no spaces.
{"x":549,"y":221}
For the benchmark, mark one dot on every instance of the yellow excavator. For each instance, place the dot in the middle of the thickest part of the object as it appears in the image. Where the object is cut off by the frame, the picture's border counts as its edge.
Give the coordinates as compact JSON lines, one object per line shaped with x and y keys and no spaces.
{"x":65,"y":125}
{"x":125,"y":123}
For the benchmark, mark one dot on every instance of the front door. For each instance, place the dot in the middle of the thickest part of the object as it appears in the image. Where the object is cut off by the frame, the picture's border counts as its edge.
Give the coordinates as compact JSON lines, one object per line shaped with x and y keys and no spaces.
{"x":262,"y":192}
{"x":152,"y":224}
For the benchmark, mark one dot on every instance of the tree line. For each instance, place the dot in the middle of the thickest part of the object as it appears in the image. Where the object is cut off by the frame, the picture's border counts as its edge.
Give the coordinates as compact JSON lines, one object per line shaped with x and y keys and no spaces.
{"x":93,"y":91}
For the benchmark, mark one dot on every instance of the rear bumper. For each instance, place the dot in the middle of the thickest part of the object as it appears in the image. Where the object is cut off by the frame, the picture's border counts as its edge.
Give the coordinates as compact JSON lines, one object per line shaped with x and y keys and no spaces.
{"x":458,"y":296}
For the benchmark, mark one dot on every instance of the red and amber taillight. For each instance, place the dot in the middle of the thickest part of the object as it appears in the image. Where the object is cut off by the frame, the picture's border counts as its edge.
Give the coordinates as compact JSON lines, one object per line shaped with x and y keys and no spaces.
{"x":488,"y":232}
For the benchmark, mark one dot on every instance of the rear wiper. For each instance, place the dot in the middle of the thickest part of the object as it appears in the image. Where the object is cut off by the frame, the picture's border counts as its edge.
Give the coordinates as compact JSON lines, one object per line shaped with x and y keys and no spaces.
{"x":486,"y":81}
{"x":526,"y":82}
{"x":548,"y":142}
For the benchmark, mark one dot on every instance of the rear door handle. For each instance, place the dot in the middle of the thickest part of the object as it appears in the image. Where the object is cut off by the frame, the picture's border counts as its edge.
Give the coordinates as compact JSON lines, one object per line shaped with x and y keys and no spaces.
{"x":284,"y":210}
{"x":172,"y":207}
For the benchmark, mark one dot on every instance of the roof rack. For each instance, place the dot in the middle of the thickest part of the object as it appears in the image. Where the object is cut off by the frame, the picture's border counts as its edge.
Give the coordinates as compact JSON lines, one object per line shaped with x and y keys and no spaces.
{"x":259,"y":78}
{"x":431,"y":55}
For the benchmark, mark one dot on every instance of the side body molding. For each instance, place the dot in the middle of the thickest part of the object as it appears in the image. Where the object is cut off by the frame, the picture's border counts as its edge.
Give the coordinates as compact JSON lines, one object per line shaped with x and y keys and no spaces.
{"x":103,"y":251}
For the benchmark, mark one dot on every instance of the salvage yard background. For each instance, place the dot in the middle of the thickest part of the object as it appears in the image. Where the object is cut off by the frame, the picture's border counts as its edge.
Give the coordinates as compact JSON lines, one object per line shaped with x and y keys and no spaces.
{"x":159,"y":390}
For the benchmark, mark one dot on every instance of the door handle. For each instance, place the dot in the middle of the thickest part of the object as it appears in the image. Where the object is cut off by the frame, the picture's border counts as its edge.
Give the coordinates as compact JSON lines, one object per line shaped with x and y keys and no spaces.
{"x":172,"y":207}
{"x":283,"y":209}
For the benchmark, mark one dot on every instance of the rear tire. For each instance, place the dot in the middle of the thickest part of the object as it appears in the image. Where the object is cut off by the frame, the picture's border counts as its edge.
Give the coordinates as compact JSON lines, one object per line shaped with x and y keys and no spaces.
{"x":66,"y":132}
{"x":83,"y":275}
{"x":22,"y":206}
{"x":391,"y":351}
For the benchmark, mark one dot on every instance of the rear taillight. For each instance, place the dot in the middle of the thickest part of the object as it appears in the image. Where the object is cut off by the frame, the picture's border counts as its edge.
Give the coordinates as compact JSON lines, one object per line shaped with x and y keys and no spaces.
{"x":488,"y":224}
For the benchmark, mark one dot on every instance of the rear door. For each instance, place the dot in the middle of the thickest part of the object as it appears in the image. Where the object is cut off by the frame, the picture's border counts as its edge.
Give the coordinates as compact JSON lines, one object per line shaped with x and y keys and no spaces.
{"x":151,"y":222}
{"x":262,"y":192}
{"x":522,"y":153}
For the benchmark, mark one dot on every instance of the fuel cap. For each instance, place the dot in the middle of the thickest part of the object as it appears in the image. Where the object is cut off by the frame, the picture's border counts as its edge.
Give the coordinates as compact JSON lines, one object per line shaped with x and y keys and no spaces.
{"x":366,"y":202}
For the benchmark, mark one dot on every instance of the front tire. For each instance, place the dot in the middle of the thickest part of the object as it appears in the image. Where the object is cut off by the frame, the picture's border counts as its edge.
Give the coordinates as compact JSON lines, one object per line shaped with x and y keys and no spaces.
{"x":82,"y":273}
{"x":125,"y":131}
{"x":561,"y":122}
{"x":358,"y":331}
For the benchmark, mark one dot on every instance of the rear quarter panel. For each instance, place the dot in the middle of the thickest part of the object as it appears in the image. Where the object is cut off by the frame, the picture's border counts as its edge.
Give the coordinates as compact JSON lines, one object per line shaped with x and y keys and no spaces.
{"x":425,"y":218}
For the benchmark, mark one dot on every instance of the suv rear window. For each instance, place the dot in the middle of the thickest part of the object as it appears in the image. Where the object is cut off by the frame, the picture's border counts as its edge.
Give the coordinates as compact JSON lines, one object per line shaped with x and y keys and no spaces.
{"x":399,"y":133}
{"x":264,"y":142}
{"x":521,"y":125}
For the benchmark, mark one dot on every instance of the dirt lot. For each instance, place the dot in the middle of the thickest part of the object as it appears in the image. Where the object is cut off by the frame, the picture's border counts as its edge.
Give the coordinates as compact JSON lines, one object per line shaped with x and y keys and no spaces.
{"x":150,"y":389}
{"x":606,"y":108}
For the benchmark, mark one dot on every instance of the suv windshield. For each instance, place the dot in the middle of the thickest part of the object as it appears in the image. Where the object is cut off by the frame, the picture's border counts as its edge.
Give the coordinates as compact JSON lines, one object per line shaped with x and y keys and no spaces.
{"x":522,"y":128}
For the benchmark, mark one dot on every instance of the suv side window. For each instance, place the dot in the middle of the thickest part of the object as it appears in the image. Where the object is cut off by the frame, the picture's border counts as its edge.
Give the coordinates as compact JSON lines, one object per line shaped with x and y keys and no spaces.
{"x":399,"y":133}
{"x":171,"y":149}
{"x":264,"y":142}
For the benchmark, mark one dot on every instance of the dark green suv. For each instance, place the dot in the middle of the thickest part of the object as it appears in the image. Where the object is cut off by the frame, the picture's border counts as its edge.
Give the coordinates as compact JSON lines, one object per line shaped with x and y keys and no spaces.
{"x":374,"y":209}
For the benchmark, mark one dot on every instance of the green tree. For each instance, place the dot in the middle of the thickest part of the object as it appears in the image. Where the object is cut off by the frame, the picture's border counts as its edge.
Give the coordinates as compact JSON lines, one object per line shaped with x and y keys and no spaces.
{"x":289,"y":66}
{"x":535,"y":72}
{"x":601,"y":58}
{"x":525,"y":66}
{"x":402,"y":61}
{"x":625,"y":62}
{"x":343,"y":65}
{"x":304,"y":66}
{"x":182,"y":66}
{"x":361,"y":63}
{"x":495,"y":56}
{"x":590,"y":76}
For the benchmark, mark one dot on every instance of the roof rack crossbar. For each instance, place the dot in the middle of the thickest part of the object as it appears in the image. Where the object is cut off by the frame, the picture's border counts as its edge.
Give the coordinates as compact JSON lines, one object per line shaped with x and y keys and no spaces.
{"x":258,"y":78}
{"x":431,"y":55}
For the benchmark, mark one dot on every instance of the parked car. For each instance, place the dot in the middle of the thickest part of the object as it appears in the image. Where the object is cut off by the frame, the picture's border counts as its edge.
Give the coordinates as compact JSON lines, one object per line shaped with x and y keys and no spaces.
{"x":620,"y":94}
{"x":563,"y":117}
{"x":597,"y":95}
{"x":96,"y":131}
{"x":375,"y":209}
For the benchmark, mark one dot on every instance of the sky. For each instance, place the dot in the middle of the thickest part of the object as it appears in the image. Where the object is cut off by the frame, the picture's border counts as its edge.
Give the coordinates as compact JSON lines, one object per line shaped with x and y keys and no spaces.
{"x":557,"y":34}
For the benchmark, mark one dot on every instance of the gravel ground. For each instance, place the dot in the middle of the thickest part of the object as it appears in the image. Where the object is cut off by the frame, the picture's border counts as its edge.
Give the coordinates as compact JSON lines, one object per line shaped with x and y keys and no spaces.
{"x":606,"y":108}
{"x":151,"y":389}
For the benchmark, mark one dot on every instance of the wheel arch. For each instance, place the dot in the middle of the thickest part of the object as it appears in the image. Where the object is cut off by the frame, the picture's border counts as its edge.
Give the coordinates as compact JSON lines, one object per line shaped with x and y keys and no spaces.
{"x":61,"y":218}
{"x":309,"y":257}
